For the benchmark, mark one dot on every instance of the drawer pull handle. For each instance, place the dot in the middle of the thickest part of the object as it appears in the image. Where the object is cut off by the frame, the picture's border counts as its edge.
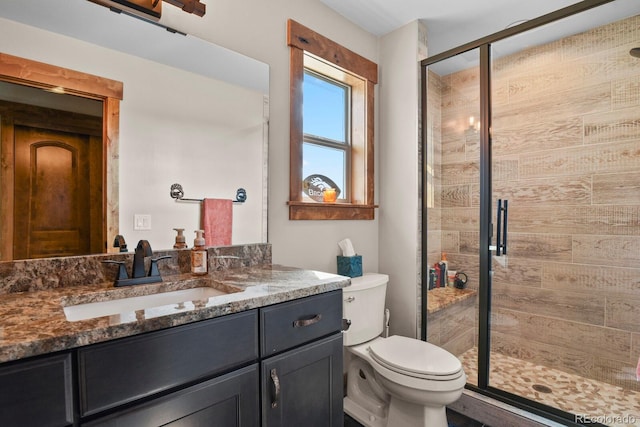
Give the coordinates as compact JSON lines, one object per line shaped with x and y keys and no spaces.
{"x":307,"y":322}
{"x":276,"y":386}
{"x":350,"y":299}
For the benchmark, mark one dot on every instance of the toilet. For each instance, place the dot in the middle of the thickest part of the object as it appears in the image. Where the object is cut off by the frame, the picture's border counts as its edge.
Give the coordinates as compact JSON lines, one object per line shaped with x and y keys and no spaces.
{"x":394,"y":381}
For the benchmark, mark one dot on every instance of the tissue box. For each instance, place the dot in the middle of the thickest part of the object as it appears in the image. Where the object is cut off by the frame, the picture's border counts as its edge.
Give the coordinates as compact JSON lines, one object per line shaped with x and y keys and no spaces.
{"x":350,"y":265}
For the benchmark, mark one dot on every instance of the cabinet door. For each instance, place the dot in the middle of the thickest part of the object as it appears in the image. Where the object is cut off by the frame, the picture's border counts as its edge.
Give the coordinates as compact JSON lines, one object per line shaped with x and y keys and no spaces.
{"x":303,"y":387}
{"x":118,"y":372}
{"x":37,"y":393}
{"x":230,"y":400}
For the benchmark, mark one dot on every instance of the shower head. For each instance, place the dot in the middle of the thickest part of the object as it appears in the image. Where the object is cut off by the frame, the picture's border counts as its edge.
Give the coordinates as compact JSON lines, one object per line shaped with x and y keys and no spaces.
{"x":635,"y":52}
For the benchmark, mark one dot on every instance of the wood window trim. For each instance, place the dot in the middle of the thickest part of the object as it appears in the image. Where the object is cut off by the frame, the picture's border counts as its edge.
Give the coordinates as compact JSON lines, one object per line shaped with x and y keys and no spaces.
{"x":301,"y":39}
{"x":26,"y":72}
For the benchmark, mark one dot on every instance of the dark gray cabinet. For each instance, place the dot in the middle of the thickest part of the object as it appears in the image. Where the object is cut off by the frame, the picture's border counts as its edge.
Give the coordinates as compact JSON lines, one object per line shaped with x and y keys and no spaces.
{"x":289,"y":324}
{"x":37,"y":392}
{"x":118,"y":372}
{"x":230,"y":400}
{"x":133,"y":369}
{"x":302,"y":382}
{"x":303,"y":387}
{"x":279,"y":365}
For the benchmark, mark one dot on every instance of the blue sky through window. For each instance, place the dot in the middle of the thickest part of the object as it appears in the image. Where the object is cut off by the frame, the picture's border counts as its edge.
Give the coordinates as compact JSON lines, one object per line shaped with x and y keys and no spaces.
{"x":323,"y":108}
{"x":324,"y":115}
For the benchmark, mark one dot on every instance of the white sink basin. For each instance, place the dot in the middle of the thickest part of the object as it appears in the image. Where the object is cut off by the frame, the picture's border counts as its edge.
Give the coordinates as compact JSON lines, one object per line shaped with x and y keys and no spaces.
{"x":123,"y":305}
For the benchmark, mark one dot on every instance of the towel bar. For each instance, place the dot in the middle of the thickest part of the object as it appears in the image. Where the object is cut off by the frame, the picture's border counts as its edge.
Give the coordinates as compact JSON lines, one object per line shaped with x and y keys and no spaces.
{"x":177,"y":193}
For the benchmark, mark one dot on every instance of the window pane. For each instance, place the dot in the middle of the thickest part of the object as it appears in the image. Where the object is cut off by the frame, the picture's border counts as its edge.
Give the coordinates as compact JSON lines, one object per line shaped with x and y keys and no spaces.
{"x":326,"y":161}
{"x":324,"y":108}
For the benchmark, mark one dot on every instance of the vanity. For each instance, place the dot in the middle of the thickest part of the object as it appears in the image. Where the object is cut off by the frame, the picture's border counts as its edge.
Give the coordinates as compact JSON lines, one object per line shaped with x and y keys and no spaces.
{"x":265,"y":350}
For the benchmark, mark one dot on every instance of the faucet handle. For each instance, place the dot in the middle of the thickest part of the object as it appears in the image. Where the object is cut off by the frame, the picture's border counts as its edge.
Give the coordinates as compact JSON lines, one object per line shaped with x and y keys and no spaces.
{"x":122,"y":270}
{"x":153,"y":269}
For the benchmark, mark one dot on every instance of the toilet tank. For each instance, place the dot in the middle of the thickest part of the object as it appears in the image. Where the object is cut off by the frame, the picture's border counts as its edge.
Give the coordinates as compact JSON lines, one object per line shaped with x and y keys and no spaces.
{"x":363,"y":305}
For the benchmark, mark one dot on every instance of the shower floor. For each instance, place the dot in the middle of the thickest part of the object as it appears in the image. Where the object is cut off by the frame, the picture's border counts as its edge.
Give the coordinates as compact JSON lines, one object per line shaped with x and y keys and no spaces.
{"x":601,"y":402}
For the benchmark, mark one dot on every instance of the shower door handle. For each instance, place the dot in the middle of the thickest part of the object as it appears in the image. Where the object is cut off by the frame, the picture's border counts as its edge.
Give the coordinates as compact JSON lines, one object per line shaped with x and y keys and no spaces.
{"x":505,"y":211}
{"x":501,"y":230}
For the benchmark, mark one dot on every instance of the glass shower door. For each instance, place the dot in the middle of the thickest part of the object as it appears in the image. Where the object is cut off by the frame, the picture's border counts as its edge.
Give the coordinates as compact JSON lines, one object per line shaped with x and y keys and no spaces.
{"x":532,"y":149}
{"x":565,"y":297}
{"x":452,"y":181}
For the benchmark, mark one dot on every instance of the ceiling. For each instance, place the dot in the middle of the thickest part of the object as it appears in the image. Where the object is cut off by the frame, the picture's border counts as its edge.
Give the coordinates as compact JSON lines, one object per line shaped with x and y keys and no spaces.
{"x":449,"y":23}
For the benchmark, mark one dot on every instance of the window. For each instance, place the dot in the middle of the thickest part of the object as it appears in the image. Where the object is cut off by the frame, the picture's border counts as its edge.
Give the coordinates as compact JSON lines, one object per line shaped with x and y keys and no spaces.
{"x":326,"y":140}
{"x":331,"y":166}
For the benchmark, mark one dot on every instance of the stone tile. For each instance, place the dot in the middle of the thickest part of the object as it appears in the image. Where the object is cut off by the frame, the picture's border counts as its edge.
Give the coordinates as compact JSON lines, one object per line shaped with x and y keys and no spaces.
{"x":616,"y":251}
{"x":572,"y":306}
{"x":566,"y":391}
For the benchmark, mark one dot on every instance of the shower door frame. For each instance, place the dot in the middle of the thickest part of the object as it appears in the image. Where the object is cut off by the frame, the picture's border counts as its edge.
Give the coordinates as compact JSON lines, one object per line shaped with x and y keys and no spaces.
{"x":485,"y":180}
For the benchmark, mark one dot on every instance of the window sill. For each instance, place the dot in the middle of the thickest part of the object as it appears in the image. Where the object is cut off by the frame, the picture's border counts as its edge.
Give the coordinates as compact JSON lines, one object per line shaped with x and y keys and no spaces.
{"x":319,"y":211}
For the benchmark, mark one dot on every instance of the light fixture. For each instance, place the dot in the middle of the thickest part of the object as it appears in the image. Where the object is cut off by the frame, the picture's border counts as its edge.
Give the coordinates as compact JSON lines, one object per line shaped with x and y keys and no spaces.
{"x":56,"y":89}
{"x":147,"y":9}
{"x":151,"y":9}
{"x":474,"y":126}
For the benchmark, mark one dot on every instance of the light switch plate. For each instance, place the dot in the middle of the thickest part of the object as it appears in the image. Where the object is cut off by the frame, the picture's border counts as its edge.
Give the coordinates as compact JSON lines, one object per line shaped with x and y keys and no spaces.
{"x":142,"y":222}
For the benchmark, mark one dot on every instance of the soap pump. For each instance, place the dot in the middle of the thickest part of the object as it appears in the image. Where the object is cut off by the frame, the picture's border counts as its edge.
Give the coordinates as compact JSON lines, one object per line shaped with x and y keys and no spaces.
{"x":180,"y":240}
{"x":199,"y":254}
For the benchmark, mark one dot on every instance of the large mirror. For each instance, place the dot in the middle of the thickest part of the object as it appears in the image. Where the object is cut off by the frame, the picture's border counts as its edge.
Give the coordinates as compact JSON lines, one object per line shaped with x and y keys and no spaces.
{"x":192,"y":113}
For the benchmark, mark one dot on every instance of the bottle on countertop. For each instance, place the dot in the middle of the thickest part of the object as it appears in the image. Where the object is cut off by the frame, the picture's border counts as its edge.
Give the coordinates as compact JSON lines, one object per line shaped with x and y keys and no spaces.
{"x":444,"y":259}
{"x":199,"y":254}
{"x":180,"y":240}
{"x":444,"y":269}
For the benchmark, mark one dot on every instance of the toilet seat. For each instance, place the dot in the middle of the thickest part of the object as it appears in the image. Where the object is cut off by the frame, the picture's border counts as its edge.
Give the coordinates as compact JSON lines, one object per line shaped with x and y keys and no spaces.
{"x":415,"y":358}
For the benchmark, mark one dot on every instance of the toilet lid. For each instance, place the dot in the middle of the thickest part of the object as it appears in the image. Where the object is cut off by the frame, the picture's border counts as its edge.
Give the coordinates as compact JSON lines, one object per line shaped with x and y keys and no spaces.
{"x":414,"y":357}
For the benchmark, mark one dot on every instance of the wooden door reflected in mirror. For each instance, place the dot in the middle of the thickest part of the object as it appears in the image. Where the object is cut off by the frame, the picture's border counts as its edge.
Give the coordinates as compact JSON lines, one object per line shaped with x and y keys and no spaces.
{"x":59,"y":178}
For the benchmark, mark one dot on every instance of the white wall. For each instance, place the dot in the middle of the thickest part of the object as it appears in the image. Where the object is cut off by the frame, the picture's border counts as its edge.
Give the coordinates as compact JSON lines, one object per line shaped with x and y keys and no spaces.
{"x":399,"y":192}
{"x":216,"y":149}
{"x":257,"y":28}
{"x":175,"y":126}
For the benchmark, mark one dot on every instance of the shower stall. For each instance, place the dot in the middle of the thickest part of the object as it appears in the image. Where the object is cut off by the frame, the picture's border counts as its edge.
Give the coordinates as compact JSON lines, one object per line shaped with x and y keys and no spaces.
{"x":531,"y":186}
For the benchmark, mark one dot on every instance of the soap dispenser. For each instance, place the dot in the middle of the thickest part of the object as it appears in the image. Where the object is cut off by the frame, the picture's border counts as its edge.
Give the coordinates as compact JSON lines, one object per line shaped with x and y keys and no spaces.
{"x":199,"y":254}
{"x":180,"y":240}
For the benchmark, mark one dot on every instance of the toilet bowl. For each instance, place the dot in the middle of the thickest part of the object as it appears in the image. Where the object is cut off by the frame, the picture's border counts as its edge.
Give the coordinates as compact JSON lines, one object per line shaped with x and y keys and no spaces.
{"x":395,"y":381}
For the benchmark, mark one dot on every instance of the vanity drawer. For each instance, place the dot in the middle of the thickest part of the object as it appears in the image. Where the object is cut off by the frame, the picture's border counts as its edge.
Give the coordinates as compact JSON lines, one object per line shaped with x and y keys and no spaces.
{"x":292,"y":323}
{"x":119,"y":372}
{"x":230,"y":400}
{"x":37,"y":392}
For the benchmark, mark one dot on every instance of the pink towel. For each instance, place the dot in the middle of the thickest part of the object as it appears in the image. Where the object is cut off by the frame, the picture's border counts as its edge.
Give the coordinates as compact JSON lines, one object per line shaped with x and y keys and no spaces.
{"x":638,"y":370}
{"x":217,"y":220}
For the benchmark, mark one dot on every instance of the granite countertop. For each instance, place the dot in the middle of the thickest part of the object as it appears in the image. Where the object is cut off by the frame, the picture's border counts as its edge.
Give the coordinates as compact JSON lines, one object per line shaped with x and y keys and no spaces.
{"x":34,"y":322}
{"x":440,"y":298}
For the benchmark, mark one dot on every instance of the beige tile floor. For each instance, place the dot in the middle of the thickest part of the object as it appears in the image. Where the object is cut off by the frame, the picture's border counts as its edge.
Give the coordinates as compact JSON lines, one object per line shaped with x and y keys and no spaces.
{"x":592,"y":400}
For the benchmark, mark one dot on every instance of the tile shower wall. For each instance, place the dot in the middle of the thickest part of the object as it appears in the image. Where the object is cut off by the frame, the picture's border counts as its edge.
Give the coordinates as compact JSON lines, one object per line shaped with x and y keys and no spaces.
{"x":566,"y":145}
